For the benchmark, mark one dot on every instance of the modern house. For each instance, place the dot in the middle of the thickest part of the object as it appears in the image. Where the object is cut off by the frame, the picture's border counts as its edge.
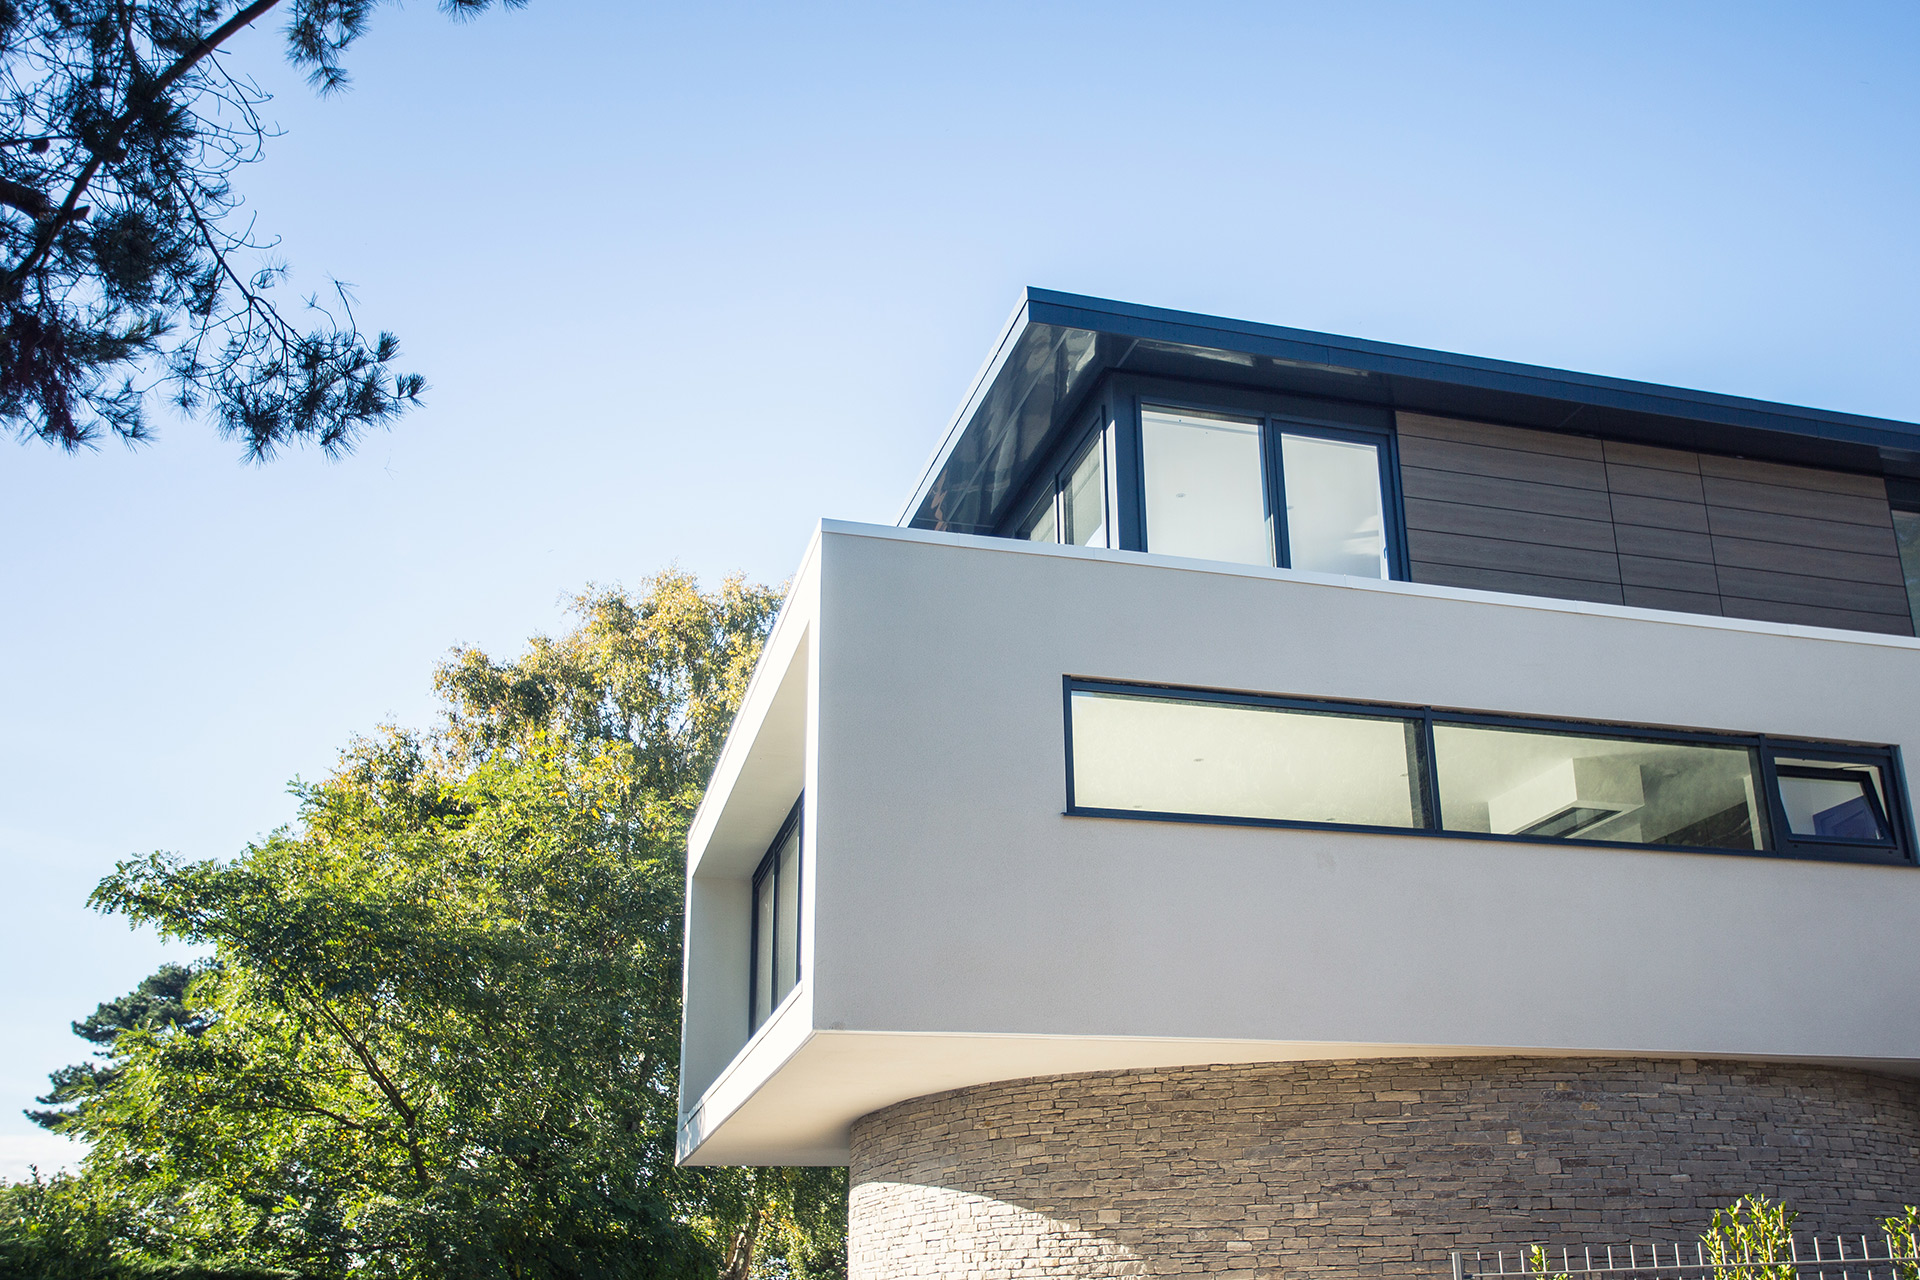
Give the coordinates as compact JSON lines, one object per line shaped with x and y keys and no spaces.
{"x":1283,"y":803}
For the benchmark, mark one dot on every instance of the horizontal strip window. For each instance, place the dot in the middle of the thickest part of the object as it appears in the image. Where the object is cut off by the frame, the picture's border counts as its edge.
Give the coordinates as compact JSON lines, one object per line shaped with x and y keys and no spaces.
{"x":1138,"y":751}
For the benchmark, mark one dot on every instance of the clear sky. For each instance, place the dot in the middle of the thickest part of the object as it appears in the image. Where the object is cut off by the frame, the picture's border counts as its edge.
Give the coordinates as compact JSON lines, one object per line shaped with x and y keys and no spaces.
{"x":686,"y":278}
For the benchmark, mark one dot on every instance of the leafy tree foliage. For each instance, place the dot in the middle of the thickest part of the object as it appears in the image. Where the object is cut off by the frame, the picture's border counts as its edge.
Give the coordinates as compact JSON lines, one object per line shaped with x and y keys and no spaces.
{"x":439,"y":1034}
{"x":123,"y":265}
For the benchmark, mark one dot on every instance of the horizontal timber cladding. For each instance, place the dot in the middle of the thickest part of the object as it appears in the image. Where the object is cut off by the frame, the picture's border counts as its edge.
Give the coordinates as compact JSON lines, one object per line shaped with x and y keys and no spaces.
{"x":1357,"y":1170}
{"x":1509,"y":509}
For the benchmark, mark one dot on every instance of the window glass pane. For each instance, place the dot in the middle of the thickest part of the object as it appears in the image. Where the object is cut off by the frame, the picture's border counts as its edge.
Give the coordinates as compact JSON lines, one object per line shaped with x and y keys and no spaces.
{"x":1521,"y":782}
{"x":786,"y":917}
{"x":1336,"y":522}
{"x":762,"y":949}
{"x":1038,"y":526}
{"x":1832,"y":800}
{"x":1166,"y":755}
{"x":1906,"y":531}
{"x":1085,"y":502}
{"x":1204,"y":491}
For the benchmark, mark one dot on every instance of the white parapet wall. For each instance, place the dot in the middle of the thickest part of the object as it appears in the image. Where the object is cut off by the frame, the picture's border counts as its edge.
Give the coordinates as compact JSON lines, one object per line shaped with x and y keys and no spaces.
{"x":958,"y":927}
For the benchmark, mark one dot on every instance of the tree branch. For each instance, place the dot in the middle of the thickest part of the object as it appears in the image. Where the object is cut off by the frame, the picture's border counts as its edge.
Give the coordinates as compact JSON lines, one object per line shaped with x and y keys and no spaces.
{"x":383,"y":1083}
{"x":137,"y":100}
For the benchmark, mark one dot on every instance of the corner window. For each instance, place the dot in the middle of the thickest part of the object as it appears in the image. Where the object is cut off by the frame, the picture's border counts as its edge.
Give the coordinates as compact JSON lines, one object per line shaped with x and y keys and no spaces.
{"x":776,"y":923}
{"x":1181,"y":754}
{"x":1265,"y":490}
{"x":1073,"y":507}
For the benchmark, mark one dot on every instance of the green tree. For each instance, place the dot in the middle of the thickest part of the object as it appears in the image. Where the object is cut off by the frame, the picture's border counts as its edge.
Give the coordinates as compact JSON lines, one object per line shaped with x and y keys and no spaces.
{"x":157,"y":1004}
{"x":440,"y":1034}
{"x":122,"y":265}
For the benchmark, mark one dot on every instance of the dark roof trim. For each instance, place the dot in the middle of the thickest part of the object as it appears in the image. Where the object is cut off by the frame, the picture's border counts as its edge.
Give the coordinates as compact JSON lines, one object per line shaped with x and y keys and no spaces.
{"x":1443,"y":382}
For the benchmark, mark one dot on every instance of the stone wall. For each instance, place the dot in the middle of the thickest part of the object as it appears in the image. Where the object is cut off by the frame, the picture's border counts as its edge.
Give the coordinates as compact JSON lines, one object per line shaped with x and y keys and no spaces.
{"x":1361,"y":1169}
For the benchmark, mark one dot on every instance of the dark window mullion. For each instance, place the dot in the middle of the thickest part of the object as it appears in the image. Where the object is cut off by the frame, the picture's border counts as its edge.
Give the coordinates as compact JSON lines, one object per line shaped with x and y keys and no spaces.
{"x":1274,"y":481}
{"x":1430,"y":773}
{"x":1130,"y":476}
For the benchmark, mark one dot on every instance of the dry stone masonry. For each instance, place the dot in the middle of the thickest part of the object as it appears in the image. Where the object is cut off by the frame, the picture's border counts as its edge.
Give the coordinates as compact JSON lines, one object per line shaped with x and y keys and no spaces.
{"x":1361,"y":1169}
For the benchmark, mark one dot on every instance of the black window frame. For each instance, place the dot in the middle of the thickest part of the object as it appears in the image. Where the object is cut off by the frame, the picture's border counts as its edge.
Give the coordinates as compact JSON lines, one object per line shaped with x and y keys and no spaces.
{"x":1278,"y":417}
{"x":1049,"y":485}
{"x":1112,"y":413}
{"x":769,"y":868}
{"x":1777,"y":837}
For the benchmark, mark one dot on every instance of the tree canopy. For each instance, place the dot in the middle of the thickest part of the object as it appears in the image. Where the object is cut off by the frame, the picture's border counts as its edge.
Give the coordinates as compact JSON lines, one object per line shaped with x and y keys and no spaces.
{"x":124,"y":268}
{"x":437,"y":1034}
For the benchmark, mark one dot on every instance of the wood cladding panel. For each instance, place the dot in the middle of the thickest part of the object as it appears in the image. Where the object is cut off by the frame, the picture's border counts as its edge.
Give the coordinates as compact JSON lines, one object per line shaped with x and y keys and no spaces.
{"x":1503,"y":494}
{"x":1862,"y":539}
{"x":1672,"y":575}
{"x":1529,"y":584}
{"x":1506,"y":464}
{"x":1429,"y":547}
{"x":1495,"y":436}
{"x":1494,"y":522}
{"x":1510,"y":509}
{"x":1780,"y":500}
{"x":1658,"y":513}
{"x":1666,"y":544}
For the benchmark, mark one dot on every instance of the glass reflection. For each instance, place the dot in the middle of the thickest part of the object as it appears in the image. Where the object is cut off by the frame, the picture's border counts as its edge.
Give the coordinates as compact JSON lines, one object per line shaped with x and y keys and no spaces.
{"x":1906,"y":532}
{"x":1038,"y":526}
{"x":1526,"y":782}
{"x":1336,"y":520}
{"x":1085,"y":500}
{"x":1162,"y":755}
{"x":1204,"y":493}
{"x":762,"y":949}
{"x":1831,"y":800}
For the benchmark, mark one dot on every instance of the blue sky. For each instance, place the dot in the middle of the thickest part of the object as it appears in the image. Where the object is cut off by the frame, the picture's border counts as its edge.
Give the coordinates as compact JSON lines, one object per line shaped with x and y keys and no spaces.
{"x":685,"y":279}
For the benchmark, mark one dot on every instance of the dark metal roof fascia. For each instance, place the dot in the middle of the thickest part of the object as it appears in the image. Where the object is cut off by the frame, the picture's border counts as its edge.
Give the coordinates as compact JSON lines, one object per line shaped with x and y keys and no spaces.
{"x":1009,"y":338}
{"x":1576,"y":391}
{"x":1336,"y":352}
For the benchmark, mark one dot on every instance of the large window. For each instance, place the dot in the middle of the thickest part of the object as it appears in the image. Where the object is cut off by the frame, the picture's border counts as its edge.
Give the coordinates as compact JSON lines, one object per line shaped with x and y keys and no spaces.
{"x":1265,"y":490}
{"x":776,"y":923}
{"x":1135,"y":751}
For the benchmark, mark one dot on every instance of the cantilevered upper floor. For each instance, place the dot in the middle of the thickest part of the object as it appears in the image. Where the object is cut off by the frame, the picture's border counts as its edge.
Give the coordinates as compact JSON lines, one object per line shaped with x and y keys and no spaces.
{"x":1295,"y":698}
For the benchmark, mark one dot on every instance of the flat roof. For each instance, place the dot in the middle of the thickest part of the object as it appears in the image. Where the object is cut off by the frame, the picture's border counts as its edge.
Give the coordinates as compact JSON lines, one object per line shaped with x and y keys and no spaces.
{"x":1056,"y":347}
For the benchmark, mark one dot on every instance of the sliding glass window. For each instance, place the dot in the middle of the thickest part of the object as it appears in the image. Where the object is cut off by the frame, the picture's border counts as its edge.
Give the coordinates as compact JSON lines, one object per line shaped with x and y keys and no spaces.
{"x":1135,"y":751}
{"x":1263,"y":490}
{"x":776,"y":923}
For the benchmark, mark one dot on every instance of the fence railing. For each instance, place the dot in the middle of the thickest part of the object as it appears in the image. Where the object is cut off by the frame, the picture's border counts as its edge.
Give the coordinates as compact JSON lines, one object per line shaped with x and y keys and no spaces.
{"x":1816,"y":1257}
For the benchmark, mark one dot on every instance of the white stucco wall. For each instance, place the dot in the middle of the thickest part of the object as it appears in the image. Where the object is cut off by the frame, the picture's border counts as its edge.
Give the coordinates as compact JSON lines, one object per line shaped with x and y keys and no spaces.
{"x":960,"y":928}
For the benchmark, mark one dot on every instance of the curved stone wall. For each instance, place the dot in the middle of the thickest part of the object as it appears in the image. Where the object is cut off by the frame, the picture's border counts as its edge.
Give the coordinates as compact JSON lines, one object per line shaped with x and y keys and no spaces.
{"x":1361,"y":1169}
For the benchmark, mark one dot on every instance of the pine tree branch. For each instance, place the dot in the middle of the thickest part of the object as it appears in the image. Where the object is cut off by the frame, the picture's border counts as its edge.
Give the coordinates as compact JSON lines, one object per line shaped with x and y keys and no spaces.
{"x":138,"y":100}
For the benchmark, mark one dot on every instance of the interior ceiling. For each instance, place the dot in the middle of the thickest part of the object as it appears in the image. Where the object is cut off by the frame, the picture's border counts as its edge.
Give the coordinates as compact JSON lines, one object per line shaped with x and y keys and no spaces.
{"x":1057,"y":347}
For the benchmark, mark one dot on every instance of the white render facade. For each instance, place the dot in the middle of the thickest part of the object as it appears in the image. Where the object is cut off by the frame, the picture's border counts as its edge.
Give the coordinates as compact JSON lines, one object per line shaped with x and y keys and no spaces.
{"x":962,"y":923}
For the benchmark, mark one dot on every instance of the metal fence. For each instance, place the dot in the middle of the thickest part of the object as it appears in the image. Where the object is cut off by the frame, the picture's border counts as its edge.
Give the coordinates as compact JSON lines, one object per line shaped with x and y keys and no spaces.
{"x":1816,"y":1258}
